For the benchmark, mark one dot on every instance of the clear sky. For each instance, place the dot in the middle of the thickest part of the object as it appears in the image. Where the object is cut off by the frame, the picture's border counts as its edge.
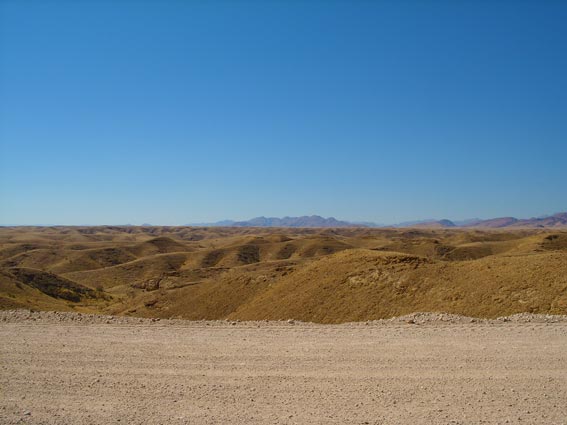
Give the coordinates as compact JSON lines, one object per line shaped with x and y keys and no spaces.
{"x":172,"y":112}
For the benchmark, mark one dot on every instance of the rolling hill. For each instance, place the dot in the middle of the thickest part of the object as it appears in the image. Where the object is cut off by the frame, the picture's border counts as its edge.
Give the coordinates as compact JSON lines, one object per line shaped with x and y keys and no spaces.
{"x":328,"y":275}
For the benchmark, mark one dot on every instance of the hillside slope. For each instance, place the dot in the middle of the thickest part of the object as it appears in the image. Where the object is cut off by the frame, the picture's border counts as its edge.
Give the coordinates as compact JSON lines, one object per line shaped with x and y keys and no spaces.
{"x":364,"y":285}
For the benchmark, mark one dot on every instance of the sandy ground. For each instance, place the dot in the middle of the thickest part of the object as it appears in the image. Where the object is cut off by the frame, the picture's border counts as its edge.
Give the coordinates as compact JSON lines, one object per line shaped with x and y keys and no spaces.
{"x":282,"y":373}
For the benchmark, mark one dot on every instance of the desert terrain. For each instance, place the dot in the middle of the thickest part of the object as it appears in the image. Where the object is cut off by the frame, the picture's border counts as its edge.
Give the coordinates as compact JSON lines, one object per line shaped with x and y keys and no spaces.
{"x":331,"y":275}
{"x":288,"y":326}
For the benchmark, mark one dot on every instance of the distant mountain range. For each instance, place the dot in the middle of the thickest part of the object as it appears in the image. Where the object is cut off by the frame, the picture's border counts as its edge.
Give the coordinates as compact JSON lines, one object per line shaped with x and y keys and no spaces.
{"x":556,"y":220}
{"x":303,"y":221}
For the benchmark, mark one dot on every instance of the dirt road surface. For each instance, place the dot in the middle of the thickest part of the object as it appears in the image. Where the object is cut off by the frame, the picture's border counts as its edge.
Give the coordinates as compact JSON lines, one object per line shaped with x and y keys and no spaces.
{"x":129,"y":372}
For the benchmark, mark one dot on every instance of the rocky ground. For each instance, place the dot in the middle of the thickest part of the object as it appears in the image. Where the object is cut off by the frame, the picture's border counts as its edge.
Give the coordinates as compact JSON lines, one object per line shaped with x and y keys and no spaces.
{"x":68,"y":368}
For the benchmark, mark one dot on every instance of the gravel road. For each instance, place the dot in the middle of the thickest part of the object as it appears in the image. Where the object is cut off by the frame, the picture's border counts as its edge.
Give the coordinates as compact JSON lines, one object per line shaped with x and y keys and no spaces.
{"x":69,"y":369}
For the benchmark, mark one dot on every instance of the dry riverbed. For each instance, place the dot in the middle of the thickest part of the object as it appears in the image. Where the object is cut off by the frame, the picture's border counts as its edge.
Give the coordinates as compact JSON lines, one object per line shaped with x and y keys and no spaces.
{"x":64,"y":368}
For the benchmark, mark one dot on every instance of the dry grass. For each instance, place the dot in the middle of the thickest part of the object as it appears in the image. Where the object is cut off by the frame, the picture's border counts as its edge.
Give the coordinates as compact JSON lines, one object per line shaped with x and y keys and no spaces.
{"x":322,"y":275}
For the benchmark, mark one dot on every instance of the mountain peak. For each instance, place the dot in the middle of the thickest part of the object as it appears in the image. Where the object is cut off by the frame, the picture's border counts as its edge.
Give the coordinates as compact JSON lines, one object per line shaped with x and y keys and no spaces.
{"x":303,"y":221}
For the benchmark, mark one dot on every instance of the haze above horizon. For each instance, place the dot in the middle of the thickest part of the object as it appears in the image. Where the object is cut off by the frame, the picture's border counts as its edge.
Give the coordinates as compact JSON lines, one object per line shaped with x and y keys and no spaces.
{"x":177,"y":112}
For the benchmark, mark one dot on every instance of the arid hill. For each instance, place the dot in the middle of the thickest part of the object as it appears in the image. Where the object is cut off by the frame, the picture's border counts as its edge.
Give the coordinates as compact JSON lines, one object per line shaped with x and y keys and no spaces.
{"x":328,"y":275}
{"x":557,"y":220}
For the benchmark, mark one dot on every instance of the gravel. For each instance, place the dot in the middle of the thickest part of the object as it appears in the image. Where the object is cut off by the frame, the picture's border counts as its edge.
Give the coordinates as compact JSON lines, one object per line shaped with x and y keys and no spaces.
{"x":424,"y":368}
{"x":17,"y":316}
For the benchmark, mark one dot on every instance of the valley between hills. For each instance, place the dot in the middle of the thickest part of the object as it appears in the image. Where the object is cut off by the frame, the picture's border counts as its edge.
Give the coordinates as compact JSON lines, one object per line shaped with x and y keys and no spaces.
{"x":331,"y":275}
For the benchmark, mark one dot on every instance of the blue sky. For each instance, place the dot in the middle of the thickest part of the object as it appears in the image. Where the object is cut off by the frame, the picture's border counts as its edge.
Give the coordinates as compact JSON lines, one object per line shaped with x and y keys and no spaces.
{"x":172,"y":112}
